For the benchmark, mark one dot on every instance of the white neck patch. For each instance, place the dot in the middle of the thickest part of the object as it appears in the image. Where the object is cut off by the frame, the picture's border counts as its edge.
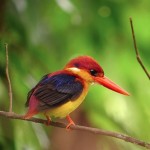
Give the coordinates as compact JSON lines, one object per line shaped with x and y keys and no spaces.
{"x":83,"y":74}
{"x":74,"y":69}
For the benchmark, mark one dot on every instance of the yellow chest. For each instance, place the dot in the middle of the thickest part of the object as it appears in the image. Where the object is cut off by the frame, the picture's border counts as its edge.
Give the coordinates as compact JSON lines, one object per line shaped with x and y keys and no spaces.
{"x":65,"y":109}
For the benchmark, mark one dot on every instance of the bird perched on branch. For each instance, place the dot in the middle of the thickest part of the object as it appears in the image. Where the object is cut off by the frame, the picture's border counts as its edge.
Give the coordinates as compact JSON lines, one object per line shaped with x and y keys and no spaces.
{"x":59,"y":93}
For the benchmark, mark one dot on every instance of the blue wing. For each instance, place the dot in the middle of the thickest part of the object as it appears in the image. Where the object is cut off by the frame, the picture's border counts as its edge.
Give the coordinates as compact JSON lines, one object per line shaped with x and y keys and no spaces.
{"x":56,"y":90}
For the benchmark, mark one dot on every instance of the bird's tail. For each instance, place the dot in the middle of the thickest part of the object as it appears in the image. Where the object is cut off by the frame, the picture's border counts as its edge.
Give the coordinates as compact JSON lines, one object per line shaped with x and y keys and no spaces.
{"x":30,"y":114}
{"x":32,"y":110}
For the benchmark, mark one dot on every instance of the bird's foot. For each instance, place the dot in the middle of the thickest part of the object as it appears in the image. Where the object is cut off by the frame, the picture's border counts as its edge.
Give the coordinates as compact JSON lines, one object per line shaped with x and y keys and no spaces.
{"x":70,"y":123}
{"x":47,"y":122}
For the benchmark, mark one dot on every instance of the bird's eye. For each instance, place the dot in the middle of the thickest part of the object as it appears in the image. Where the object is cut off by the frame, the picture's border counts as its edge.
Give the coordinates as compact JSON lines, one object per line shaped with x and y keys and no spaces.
{"x":76,"y":65}
{"x":93,"y":72}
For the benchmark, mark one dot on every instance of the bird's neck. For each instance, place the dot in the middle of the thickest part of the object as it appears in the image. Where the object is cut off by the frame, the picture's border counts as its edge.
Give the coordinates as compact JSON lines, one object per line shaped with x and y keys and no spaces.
{"x":84,"y":75}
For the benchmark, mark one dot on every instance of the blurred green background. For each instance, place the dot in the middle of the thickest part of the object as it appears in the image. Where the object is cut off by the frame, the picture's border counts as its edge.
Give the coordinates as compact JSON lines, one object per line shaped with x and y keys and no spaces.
{"x":43,"y":35}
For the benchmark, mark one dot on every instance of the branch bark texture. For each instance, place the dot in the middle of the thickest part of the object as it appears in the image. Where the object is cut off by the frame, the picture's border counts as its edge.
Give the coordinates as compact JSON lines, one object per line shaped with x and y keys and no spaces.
{"x":120,"y":136}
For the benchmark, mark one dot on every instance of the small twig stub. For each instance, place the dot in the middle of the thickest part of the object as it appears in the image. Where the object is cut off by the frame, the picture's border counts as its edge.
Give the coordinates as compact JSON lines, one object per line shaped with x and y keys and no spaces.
{"x":8,"y":79}
{"x":136,"y":50}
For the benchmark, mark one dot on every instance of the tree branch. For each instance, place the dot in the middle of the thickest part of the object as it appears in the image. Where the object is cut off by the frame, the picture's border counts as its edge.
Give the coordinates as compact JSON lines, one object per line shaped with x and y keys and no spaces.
{"x":136,"y":50}
{"x":8,"y":79}
{"x":120,"y":136}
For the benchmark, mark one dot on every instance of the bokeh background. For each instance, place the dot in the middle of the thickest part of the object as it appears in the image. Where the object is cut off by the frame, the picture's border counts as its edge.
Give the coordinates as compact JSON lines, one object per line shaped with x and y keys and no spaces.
{"x":43,"y":35}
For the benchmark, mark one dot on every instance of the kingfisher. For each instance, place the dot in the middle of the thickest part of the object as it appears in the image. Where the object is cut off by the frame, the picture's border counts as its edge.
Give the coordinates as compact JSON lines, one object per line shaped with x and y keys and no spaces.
{"x":59,"y":93}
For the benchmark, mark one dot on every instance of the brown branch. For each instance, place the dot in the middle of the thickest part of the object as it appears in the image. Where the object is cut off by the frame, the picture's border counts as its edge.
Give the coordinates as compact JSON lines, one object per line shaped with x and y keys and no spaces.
{"x":8,"y":79}
{"x":136,"y":50}
{"x":120,"y":136}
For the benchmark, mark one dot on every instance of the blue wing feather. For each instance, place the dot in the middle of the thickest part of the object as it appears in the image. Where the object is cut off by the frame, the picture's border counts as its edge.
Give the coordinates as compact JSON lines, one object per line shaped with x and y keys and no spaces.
{"x":56,"y":90}
{"x":33,"y":89}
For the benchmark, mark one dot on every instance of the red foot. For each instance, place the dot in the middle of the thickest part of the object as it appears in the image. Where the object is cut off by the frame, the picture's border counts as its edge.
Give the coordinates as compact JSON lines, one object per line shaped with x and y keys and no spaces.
{"x":47,"y":123}
{"x":70,"y":122}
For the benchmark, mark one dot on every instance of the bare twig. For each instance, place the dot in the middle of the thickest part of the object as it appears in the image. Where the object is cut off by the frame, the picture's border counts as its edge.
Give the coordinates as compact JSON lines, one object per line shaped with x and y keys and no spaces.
{"x":8,"y":79}
{"x":136,"y":50}
{"x":80,"y":128}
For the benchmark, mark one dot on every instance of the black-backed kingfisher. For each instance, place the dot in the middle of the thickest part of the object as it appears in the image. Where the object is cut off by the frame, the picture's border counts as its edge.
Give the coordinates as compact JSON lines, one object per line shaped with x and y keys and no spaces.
{"x":61,"y":92}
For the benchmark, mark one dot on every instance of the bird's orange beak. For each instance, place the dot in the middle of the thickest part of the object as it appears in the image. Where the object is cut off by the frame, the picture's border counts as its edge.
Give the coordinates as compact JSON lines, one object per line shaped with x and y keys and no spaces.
{"x":110,"y":85}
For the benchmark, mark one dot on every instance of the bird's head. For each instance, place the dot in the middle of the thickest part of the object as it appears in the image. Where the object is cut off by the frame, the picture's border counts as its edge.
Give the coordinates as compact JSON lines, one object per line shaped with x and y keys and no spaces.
{"x":89,"y":69}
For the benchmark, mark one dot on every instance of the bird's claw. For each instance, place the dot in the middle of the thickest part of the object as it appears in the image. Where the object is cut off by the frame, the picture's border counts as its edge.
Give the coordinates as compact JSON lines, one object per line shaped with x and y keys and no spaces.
{"x":68,"y":126}
{"x":70,"y":123}
{"x":47,"y":122}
